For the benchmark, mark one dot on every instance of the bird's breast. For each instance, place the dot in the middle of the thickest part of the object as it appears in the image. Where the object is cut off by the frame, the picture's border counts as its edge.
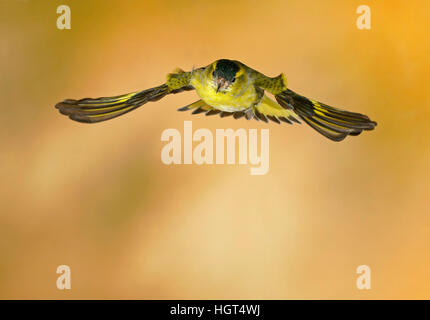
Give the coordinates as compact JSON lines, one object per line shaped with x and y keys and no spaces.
{"x":229,"y":101}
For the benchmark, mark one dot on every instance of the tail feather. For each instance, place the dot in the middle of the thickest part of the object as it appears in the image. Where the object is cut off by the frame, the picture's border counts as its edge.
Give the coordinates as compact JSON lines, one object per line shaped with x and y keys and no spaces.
{"x":331,"y":122}
{"x":90,"y":110}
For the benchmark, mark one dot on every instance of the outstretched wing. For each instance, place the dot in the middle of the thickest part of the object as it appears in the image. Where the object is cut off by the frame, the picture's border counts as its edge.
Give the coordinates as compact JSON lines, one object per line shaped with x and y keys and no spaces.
{"x":90,"y":110}
{"x":333,"y":123}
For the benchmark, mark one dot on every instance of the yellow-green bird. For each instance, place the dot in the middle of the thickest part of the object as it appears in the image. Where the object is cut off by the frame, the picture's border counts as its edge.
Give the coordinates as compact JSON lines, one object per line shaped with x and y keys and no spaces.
{"x":229,"y":87}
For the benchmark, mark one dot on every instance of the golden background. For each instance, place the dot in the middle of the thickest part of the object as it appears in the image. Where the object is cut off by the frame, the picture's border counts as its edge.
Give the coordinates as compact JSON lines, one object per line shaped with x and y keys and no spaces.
{"x":99,"y":199}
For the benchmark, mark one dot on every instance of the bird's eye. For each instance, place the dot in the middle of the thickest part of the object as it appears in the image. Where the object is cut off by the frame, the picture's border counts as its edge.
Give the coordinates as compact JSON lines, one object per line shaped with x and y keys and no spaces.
{"x":213,"y":73}
{"x":234,"y":79}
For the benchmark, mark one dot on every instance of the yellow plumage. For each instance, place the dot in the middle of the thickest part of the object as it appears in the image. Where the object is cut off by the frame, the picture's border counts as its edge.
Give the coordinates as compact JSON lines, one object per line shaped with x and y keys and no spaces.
{"x":240,"y":96}
{"x":229,"y":87}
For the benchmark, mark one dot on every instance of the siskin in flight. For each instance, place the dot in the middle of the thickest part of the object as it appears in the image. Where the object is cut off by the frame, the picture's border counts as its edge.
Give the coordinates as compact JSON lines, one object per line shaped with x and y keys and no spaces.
{"x":229,"y":88}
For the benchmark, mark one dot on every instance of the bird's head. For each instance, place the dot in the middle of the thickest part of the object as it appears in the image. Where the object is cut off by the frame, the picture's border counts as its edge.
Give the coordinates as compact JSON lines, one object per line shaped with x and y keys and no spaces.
{"x":225,"y":73}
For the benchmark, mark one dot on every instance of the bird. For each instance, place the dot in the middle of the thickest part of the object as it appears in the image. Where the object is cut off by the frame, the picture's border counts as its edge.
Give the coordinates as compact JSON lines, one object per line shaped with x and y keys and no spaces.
{"x":228,"y":88}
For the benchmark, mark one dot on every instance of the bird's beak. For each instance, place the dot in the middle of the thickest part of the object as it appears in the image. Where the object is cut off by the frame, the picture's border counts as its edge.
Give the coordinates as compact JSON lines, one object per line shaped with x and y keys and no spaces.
{"x":220,"y":82}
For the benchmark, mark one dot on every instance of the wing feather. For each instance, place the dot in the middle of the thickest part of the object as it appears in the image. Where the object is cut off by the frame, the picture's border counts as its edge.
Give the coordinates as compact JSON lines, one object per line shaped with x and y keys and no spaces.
{"x":269,"y":109}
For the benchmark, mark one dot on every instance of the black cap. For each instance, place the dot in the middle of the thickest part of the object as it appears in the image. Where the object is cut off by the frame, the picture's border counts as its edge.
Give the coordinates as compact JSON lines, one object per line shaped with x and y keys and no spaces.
{"x":226,"y":69}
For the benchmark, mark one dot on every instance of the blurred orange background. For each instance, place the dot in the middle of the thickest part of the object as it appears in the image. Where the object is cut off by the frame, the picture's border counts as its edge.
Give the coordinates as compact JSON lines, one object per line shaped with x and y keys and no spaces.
{"x":98,"y":198}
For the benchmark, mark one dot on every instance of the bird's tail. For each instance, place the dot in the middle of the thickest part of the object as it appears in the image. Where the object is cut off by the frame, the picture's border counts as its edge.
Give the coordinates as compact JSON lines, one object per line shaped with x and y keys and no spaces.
{"x":331,"y":122}
{"x":96,"y":110}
